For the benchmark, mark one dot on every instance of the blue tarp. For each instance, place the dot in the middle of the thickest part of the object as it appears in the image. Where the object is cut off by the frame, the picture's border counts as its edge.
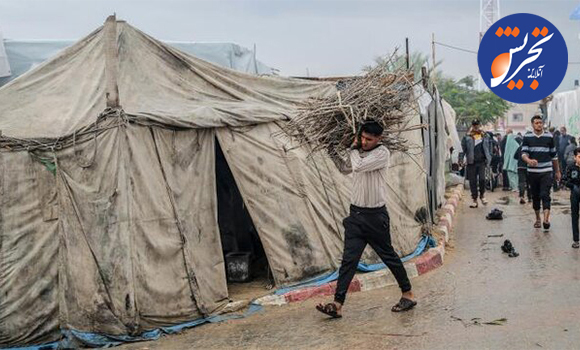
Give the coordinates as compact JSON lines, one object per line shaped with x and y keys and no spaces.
{"x":424,"y":243}
{"x":72,"y":337}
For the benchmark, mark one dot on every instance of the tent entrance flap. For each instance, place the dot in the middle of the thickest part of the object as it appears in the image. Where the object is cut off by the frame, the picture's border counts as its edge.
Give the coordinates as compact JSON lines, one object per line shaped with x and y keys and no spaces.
{"x":244,"y":256}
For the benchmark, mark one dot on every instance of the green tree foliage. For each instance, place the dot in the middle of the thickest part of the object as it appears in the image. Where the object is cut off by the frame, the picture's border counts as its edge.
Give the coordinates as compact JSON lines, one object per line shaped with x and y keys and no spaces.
{"x":470,"y":103}
{"x":466,"y":100}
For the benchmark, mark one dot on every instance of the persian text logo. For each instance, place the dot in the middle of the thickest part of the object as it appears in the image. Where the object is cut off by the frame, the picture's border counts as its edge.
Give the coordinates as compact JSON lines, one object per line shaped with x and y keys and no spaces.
{"x":522,"y":58}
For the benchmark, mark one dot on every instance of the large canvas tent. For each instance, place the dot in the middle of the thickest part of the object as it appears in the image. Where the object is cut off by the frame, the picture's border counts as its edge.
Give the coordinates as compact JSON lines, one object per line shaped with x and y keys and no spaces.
{"x":109,"y":213}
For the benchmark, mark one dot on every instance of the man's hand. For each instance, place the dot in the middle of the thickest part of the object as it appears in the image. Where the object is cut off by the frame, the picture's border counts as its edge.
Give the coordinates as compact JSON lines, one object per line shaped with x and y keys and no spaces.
{"x":558,"y":176}
{"x":532,"y":162}
{"x":355,"y":142}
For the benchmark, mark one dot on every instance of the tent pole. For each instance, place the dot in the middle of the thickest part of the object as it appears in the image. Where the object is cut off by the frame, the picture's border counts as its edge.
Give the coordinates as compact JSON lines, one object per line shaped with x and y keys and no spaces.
{"x":111,"y":62}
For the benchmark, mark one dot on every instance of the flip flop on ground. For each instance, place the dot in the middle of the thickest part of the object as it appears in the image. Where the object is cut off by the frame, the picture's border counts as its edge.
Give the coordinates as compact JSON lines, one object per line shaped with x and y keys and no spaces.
{"x":329,"y":309}
{"x":538,"y":224}
{"x":404,"y":304}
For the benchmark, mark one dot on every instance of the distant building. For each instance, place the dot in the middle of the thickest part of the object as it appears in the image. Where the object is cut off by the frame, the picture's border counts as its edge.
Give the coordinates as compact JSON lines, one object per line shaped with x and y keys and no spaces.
{"x":518,"y":117}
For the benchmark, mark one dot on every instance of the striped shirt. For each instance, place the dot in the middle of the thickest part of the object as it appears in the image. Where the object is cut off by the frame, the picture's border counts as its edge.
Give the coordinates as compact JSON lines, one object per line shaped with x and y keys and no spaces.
{"x":541,"y":148}
{"x":369,"y":171}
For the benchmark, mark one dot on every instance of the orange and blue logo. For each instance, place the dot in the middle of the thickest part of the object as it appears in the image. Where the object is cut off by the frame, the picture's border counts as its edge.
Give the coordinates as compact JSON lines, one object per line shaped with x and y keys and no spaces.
{"x":523,"y":58}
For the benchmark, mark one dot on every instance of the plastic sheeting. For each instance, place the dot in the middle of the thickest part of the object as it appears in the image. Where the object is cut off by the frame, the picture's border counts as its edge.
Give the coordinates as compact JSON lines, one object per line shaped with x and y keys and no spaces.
{"x":227,"y":55}
{"x":564,"y":110}
{"x":5,"y":70}
{"x":24,"y":55}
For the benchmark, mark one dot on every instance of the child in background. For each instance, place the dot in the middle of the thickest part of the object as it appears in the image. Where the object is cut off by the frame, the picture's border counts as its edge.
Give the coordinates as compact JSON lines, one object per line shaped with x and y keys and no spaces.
{"x":572,"y":181}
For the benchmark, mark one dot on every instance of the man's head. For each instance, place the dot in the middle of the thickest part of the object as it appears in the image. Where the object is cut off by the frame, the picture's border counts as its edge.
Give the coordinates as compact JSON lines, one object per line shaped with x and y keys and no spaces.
{"x":577,"y":156}
{"x":371,"y":134}
{"x":551,"y":129}
{"x":563,"y":130}
{"x":537,"y":124}
{"x":509,"y":131}
{"x":476,"y":125}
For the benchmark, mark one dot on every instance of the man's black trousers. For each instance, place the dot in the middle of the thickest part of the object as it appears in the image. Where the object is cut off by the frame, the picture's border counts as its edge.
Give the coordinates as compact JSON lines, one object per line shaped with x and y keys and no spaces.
{"x":575,"y":207}
{"x":540,"y":186}
{"x":476,"y":176}
{"x":368,"y":226}
{"x":523,"y":183}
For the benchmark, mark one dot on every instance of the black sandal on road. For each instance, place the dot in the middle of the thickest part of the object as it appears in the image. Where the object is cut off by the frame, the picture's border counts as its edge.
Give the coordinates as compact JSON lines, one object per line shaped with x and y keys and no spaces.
{"x":538,"y":224}
{"x":576,"y":245}
{"x":329,"y":309}
{"x":546,"y":225}
{"x":403,"y":305}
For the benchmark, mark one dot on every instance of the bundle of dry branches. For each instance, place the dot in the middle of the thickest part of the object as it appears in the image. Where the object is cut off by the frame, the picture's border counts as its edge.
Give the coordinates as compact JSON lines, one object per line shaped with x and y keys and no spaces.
{"x":383,"y":94}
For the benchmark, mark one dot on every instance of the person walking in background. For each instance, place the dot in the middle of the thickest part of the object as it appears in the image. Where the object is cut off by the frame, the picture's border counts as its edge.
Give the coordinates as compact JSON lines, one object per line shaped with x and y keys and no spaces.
{"x":562,"y":142}
{"x":569,"y":153}
{"x":510,"y":164}
{"x":504,"y":174}
{"x":539,"y":153}
{"x":476,"y":146}
{"x":572,"y":181}
{"x":523,"y":183}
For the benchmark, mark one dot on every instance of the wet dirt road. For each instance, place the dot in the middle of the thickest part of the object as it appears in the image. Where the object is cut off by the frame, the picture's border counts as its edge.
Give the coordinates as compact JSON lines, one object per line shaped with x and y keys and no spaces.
{"x":538,"y":293}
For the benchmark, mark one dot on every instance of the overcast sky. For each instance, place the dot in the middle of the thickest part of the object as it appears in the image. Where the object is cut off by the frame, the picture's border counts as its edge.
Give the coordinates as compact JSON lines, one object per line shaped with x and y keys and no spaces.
{"x":324,"y":36}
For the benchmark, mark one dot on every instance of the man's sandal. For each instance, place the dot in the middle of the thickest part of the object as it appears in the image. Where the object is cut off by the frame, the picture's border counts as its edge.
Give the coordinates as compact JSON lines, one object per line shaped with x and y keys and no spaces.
{"x":329,"y":309}
{"x":576,"y":245}
{"x":546,"y":225}
{"x":483,"y":201}
{"x":404,"y":304}
{"x":538,"y":224}
{"x":473,"y":205}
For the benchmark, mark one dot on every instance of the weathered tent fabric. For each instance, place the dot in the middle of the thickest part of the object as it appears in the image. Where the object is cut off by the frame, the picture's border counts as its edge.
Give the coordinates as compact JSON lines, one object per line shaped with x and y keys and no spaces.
{"x":117,"y":233}
{"x":29,"y":247}
{"x":564,"y":110}
{"x":451,"y":126}
{"x":24,"y":55}
{"x":157,"y":83}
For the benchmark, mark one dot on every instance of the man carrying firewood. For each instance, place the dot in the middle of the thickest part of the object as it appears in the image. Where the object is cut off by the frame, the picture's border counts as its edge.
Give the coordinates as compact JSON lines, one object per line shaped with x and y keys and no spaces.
{"x":368,"y":222}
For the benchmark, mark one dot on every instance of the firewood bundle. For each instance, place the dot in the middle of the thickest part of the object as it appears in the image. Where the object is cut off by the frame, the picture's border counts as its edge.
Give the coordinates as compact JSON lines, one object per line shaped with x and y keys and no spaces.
{"x":383,"y":94}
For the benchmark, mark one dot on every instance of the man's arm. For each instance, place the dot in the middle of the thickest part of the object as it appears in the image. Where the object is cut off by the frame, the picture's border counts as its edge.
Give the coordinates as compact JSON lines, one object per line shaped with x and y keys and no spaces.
{"x":376,"y":159}
{"x":525,"y":155}
{"x":343,"y":165}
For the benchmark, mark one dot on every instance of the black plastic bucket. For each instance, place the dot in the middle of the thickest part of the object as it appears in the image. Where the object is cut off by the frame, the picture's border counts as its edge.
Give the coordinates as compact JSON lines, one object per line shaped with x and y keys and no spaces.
{"x":238,"y":266}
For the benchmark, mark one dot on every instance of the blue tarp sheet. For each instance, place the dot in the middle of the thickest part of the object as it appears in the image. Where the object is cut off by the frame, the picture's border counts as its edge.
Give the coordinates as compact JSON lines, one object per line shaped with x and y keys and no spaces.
{"x":73,"y":337}
{"x":424,"y":243}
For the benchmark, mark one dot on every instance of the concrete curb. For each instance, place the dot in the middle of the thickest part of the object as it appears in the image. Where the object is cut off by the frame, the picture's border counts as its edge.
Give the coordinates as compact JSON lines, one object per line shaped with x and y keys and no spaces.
{"x":428,"y":261}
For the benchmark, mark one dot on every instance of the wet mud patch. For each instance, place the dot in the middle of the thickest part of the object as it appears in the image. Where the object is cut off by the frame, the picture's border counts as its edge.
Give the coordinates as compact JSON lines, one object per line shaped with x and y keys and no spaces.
{"x":301,"y":250}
